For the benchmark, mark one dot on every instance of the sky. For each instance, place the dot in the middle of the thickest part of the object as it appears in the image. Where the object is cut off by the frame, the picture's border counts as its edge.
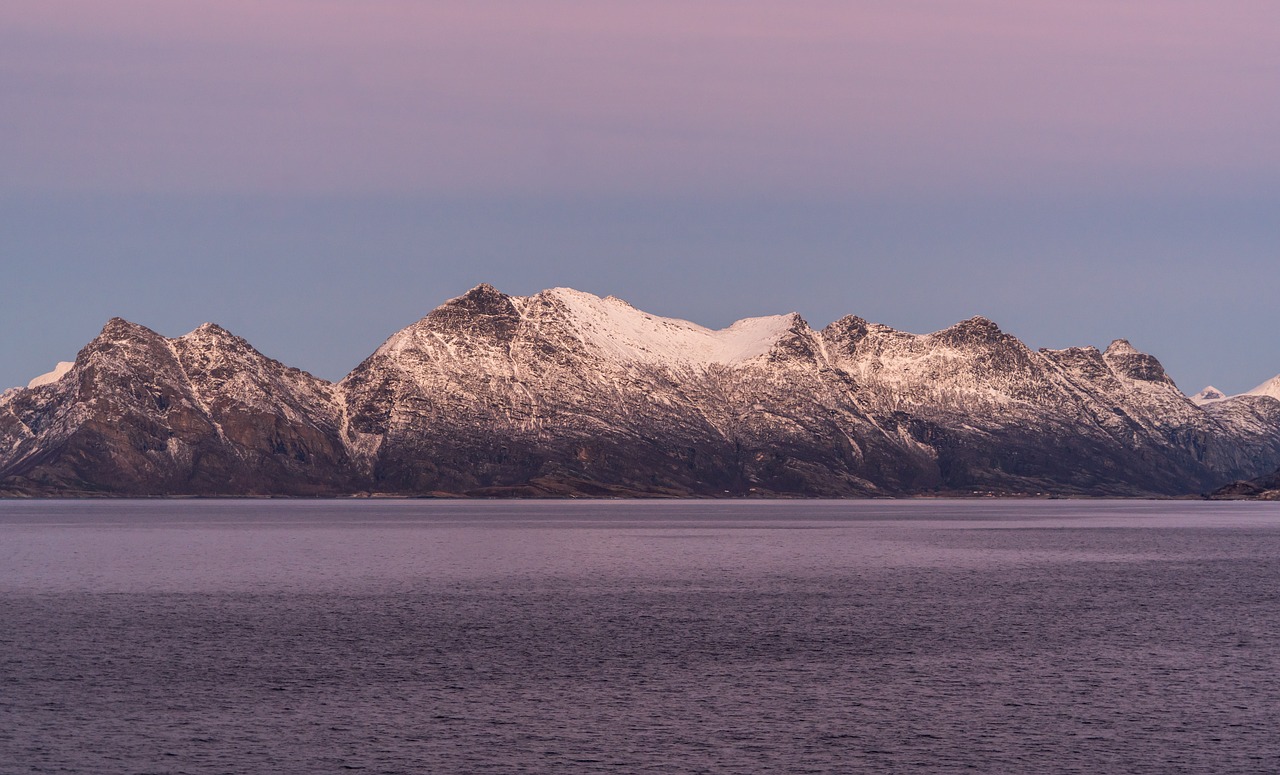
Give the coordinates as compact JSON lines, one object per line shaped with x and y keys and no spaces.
{"x":316,"y":174}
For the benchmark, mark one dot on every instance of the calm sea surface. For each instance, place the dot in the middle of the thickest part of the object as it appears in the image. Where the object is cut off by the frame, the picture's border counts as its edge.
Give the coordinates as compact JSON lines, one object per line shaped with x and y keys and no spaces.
{"x":466,"y":637}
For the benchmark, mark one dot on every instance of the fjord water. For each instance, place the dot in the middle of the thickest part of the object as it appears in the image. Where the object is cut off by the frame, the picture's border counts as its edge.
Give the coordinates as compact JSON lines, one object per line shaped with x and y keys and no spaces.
{"x":802,"y":636}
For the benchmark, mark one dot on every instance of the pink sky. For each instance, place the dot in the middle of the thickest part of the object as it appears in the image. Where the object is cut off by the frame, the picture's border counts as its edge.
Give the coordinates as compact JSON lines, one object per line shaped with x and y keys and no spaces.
{"x":625,"y":97}
{"x":1075,"y":170}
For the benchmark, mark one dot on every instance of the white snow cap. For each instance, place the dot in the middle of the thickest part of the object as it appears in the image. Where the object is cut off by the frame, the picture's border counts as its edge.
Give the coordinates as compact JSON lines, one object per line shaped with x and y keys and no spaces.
{"x":48,"y":379}
{"x":1269,"y":388}
{"x":616,"y":327}
{"x":1208,"y":396}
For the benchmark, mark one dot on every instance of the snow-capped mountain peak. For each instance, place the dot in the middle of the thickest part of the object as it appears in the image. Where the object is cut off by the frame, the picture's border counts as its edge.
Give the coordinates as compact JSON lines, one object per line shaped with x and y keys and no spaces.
{"x":614,"y":327}
{"x":1207,"y":396}
{"x":1269,"y":388}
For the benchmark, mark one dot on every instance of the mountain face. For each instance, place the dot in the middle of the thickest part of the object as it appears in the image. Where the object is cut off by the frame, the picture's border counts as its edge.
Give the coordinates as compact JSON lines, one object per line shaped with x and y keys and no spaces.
{"x":565,"y":393}
{"x":567,"y":390}
{"x":139,"y":414}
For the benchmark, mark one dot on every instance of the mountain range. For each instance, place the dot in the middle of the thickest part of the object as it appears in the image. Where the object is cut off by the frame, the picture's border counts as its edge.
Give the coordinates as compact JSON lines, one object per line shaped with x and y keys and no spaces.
{"x":563,"y":393}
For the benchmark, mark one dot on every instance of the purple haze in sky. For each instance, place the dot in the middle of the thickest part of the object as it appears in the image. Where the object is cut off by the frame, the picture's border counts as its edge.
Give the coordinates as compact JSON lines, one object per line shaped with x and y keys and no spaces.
{"x":314,"y":175}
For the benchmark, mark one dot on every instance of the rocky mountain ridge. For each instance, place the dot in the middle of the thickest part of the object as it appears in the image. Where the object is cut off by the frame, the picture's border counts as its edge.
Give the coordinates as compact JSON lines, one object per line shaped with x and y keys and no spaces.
{"x":204,"y":413}
{"x":565,"y":393}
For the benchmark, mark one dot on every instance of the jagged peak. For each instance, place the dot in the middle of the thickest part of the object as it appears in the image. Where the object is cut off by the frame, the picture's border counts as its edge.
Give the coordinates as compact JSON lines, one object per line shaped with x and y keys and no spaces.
{"x":482,"y":299}
{"x":212,"y":331}
{"x":483,"y":290}
{"x":215,"y":336}
{"x":977,"y":324}
{"x":847,"y":332}
{"x":1127,"y":361}
{"x":859,"y":326}
{"x":975,"y":330}
{"x":1121,"y":347}
{"x":979,"y":321}
{"x":1085,"y":350}
{"x":850,"y":321}
{"x":210,"y":328}
{"x":118,"y":328}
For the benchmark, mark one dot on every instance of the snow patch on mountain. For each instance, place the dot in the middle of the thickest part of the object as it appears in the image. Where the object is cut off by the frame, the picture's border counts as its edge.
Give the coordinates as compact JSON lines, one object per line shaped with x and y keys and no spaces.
{"x":1208,"y":396}
{"x":53,"y":376}
{"x":615,"y":327}
{"x":1269,"y":388}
